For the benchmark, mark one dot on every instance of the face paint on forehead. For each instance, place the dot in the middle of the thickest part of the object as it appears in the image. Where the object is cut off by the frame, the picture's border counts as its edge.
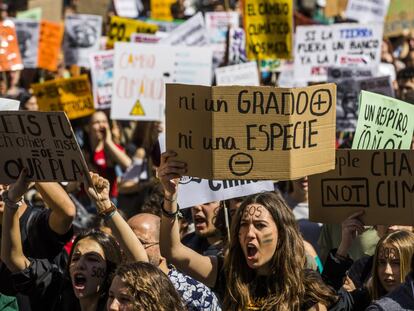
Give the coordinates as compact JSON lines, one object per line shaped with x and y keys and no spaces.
{"x":253,"y":210}
{"x":388,"y":253}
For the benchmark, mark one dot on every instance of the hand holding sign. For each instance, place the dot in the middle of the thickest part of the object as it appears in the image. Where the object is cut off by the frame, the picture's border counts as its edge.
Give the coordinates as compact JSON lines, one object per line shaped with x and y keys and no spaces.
{"x":19,"y":188}
{"x":170,"y":172}
{"x":351,"y":227}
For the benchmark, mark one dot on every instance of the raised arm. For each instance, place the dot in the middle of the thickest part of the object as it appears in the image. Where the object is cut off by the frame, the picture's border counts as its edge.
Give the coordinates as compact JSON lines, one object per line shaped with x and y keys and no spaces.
{"x":120,"y":229}
{"x":11,"y":243}
{"x":202,"y":268}
{"x":63,"y":210}
{"x":116,"y":154}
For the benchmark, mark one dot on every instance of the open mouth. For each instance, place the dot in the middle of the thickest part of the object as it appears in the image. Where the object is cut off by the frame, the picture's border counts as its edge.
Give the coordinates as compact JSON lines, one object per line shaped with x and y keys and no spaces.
{"x":251,"y":251}
{"x":199,"y":221}
{"x":79,"y":281}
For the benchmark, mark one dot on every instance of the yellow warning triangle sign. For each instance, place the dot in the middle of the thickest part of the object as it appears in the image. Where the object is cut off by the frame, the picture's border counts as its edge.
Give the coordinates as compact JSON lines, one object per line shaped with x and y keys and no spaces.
{"x":137,"y":110}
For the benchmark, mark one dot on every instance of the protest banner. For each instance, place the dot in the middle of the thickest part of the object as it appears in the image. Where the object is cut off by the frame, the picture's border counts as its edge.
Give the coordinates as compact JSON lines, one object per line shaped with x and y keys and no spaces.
{"x":127,"y":8}
{"x":120,"y":29}
{"x":82,"y":36}
{"x":367,"y":11}
{"x":191,"y":33}
{"x":10,"y":58}
{"x":335,"y":7}
{"x":27,"y":31}
{"x":319,"y":47}
{"x":34,"y":14}
{"x":164,"y":26}
{"x":194,"y":191}
{"x":242,"y":132}
{"x":9,"y":104}
{"x":145,"y":38}
{"x":71,"y":95}
{"x":161,"y":9}
{"x":51,"y":9}
{"x":141,"y":71}
{"x":400,"y":18}
{"x":269,"y":28}
{"x":342,"y":73}
{"x":96,"y":7}
{"x":43,"y":143}
{"x":51,"y":35}
{"x":102,"y":73}
{"x":237,"y":46}
{"x":348,"y":91}
{"x":383,"y":123}
{"x":242,"y":74}
{"x":378,"y":182}
{"x":217,"y":27}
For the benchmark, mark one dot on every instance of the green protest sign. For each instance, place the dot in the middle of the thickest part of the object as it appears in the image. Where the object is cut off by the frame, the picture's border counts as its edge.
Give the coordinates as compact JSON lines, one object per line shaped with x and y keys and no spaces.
{"x":35,"y":13}
{"x":383,"y":123}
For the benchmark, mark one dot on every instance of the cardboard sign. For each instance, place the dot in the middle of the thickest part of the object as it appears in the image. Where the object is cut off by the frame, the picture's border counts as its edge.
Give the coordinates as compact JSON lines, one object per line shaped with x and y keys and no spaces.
{"x":383,"y":123}
{"x":126,"y":8}
{"x":194,"y":191}
{"x":335,"y":7}
{"x":400,"y":18}
{"x":51,"y":9}
{"x":102,"y":72}
{"x":28,"y":38}
{"x":217,"y":26}
{"x":161,"y":9}
{"x":237,"y":46}
{"x":318,"y":47}
{"x":367,"y":11}
{"x":269,"y":28}
{"x":10,"y":58}
{"x":242,"y":74}
{"x":191,"y":33}
{"x":96,"y":7}
{"x":141,"y":71}
{"x":71,"y":95}
{"x":82,"y":37}
{"x":348,"y":91}
{"x":34,"y":14}
{"x":145,"y":38}
{"x":43,"y":143}
{"x":9,"y":104}
{"x":379,"y":182}
{"x":51,"y":35}
{"x":242,"y":132}
{"x":120,"y":29}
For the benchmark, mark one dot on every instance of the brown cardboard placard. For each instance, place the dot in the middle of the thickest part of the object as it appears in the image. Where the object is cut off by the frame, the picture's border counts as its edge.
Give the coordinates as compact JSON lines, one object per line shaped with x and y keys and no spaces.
{"x":400,"y":18}
{"x":380,"y":182}
{"x":245,"y":132}
{"x":51,"y":9}
{"x":96,"y":7}
{"x":335,"y":7}
{"x":43,"y":142}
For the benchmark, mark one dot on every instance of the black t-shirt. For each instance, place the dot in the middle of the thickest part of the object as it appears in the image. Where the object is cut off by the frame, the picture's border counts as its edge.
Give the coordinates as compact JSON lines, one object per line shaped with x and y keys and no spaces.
{"x":38,"y":241}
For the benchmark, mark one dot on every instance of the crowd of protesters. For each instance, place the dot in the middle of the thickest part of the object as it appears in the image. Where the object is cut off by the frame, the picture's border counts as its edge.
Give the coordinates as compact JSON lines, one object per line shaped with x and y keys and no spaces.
{"x":123,"y":244}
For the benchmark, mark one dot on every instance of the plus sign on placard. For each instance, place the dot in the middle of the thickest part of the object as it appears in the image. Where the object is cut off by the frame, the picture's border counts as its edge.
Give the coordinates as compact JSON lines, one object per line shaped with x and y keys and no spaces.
{"x":321,"y":102}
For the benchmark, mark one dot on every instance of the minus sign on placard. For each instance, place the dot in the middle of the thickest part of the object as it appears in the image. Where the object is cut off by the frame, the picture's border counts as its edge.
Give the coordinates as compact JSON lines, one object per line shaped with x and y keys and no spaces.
{"x":242,"y":162}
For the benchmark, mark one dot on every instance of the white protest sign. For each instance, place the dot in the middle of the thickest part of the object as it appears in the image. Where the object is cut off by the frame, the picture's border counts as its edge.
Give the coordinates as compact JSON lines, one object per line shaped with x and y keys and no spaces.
{"x":126,"y":8}
{"x":237,"y":46}
{"x":242,"y":74}
{"x":141,"y":71}
{"x":217,"y":26}
{"x":191,"y":33}
{"x":42,"y":142}
{"x":365,"y":11}
{"x":318,"y":47}
{"x":27,"y":31}
{"x":145,"y":38}
{"x":102,"y":73}
{"x":9,"y":104}
{"x":194,"y":191}
{"x":82,"y":37}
